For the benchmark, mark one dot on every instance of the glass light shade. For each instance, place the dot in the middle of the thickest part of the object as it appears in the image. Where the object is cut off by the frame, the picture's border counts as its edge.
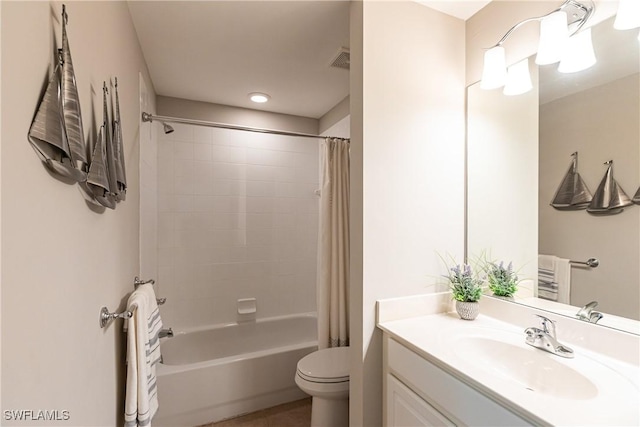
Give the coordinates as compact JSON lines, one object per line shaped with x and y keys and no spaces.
{"x":554,"y":34}
{"x":494,"y":72}
{"x":518,"y":79}
{"x":628,"y":15}
{"x":579,"y":53}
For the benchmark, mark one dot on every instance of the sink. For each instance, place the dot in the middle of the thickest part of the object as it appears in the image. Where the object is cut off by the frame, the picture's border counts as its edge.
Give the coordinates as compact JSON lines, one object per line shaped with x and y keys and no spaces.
{"x":502,"y":355}
{"x":534,"y":369}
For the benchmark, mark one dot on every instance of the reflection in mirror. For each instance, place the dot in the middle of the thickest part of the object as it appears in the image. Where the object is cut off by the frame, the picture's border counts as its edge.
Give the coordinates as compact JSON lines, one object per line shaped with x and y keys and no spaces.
{"x":519,"y":149}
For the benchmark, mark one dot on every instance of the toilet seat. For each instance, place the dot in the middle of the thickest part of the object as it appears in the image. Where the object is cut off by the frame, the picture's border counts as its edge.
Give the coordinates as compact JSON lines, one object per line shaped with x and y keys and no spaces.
{"x":330,"y":365}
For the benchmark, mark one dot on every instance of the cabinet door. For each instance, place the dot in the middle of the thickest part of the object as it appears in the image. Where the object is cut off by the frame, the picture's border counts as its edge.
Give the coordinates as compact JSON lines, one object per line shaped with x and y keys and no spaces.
{"x":407,"y":409}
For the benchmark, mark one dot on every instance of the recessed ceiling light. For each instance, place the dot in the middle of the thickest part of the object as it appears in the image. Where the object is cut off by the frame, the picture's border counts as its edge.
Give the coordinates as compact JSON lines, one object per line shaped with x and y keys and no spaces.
{"x":258,"y":97}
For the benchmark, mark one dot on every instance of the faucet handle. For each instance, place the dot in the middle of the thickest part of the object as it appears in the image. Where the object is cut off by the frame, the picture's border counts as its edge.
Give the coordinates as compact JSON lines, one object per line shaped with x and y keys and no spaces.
{"x":545,"y":325}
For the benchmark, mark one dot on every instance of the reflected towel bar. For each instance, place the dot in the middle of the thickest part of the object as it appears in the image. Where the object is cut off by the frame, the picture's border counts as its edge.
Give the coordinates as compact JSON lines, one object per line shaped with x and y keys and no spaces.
{"x":591,"y":262}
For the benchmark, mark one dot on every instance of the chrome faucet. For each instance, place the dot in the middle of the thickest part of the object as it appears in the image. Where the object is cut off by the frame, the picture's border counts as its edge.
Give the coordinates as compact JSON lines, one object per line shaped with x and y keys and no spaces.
{"x":165,"y":333}
{"x":545,"y":338}
{"x":587,"y":313}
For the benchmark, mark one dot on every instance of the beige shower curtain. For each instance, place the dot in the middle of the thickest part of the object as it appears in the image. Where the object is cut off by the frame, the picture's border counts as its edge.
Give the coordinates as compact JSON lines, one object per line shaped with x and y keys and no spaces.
{"x":333,"y":245}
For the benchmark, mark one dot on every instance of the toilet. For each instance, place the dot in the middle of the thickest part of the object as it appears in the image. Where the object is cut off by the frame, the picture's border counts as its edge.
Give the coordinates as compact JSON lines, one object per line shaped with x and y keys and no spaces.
{"x":324,"y":374}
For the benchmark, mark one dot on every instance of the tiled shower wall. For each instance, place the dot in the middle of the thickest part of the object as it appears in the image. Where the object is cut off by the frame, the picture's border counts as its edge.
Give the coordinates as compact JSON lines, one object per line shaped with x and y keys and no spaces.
{"x":237,"y":218}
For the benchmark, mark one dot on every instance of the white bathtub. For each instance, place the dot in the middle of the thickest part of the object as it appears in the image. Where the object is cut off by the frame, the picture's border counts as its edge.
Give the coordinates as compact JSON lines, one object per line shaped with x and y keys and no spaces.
{"x":226,"y":370}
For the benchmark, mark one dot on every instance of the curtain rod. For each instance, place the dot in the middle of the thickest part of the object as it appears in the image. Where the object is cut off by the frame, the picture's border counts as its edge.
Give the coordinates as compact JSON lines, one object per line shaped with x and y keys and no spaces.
{"x":146,"y":117}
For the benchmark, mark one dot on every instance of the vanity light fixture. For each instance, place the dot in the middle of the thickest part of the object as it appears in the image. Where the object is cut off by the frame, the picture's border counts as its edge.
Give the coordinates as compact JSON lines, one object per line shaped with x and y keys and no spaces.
{"x":628,"y":15}
{"x":555,"y":29}
{"x":518,"y":79}
{"x":554,"y":35}
{"x":579,"y":54}
{"x":494,"y":72}
{"x":258,"y":97}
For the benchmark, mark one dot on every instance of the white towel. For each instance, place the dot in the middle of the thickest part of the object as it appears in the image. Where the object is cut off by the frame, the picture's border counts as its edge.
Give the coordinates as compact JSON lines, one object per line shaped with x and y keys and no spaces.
{"x":554,"y":278}
{"x":143,"y":353}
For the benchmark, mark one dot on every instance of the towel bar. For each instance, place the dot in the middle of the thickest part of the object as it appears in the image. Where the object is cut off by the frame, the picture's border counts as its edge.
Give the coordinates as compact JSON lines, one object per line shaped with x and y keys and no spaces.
{"x":591,"y":262}
{"x":137,"y":282}
{"x":106,"y":316}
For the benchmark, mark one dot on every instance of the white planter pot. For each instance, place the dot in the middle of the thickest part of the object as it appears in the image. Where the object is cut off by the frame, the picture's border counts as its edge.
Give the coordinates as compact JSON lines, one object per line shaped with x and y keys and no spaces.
{"x":467,"y":310}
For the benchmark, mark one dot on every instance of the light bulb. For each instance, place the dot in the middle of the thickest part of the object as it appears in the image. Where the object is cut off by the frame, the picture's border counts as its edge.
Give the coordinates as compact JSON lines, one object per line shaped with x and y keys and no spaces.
{"x":258,"y":97}
{"x":628,"y":15}
{"x":494,"y":72}
{"x":578,"y":54}
{"x":554,"y":34}
{"x":518,"y":79}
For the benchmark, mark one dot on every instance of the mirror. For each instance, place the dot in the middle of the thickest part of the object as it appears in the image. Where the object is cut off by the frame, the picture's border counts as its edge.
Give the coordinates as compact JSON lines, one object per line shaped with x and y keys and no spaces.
{"x":518,"y":152}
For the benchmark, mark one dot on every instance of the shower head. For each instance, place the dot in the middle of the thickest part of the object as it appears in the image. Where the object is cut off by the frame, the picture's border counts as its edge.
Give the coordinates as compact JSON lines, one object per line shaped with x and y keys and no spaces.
{"x":167,"y":128}
{"x":146,"y":117}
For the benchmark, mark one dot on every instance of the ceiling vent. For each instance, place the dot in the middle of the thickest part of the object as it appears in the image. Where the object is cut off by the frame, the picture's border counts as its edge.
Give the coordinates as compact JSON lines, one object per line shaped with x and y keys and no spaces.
{"x":342,"y":59}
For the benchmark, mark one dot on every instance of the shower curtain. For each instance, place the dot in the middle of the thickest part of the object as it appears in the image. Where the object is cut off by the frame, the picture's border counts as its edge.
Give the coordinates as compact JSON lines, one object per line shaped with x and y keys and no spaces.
{"x":333,"y":245}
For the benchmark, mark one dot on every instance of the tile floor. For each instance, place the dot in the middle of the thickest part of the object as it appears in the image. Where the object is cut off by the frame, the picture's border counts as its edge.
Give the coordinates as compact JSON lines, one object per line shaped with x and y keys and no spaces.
{"x":294,"y":414}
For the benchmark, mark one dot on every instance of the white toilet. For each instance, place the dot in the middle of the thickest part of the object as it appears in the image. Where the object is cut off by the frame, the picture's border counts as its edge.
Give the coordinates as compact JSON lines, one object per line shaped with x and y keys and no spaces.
{"x":324,"y":374}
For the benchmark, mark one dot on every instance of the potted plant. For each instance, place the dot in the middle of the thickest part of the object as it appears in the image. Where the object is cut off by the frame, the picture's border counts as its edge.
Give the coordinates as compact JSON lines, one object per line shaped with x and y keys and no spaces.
{"x":466,"y":289}
{"x":503,"y":282}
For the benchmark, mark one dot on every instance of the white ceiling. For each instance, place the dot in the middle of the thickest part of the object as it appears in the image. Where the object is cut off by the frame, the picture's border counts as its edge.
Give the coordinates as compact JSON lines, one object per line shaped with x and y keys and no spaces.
{"x":220,"y":51}
{"x":463,"y":9}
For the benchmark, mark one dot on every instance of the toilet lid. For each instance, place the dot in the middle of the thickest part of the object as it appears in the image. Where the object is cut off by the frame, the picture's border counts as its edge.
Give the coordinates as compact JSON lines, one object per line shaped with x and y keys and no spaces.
{"x":330,"y":365}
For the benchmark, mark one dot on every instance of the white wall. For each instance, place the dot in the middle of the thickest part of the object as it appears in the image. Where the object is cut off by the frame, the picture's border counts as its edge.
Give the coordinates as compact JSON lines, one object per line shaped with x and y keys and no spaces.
{"x":408,"y":169}
{"x":341,"y":128}
{"x":61,"y":260}
{"x":576,"y":234}
{"x":238,"y":218}
{"x":148,"y":187}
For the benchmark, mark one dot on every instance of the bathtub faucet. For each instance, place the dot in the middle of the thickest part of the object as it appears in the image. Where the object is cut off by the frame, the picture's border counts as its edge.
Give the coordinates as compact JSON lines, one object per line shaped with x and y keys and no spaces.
{"x":165,"y":333}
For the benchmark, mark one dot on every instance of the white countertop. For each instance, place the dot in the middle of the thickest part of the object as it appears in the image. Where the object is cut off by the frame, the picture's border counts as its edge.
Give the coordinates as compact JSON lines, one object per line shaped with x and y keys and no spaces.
{"x":609,"y":396}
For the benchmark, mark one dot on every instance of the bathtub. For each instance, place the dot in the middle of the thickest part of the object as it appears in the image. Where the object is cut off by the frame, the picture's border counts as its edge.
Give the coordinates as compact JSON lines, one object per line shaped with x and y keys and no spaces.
{"x":209,"y":374}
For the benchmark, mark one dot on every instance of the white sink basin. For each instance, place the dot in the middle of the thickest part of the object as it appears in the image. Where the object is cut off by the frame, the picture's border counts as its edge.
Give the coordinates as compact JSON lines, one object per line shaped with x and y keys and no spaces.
{"x":504,"y":356}
{"x":534,"y":369}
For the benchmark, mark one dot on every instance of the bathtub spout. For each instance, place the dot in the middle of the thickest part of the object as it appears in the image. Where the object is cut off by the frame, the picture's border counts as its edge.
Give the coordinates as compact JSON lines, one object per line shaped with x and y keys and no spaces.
{"x":165,"y":333}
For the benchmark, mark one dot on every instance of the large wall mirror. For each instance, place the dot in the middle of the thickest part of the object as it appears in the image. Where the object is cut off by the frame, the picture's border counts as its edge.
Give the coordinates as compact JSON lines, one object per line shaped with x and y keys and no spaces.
{"x":518,"y":152}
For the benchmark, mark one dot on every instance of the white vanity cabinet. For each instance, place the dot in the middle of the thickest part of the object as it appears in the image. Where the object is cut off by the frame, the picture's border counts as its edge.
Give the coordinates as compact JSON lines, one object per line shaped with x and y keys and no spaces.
{"x":419,"y":393}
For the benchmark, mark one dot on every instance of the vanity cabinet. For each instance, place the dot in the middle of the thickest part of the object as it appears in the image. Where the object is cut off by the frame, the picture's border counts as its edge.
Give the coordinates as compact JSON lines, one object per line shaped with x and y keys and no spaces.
{"x":406,"y":408}
{"x":419,"y":393}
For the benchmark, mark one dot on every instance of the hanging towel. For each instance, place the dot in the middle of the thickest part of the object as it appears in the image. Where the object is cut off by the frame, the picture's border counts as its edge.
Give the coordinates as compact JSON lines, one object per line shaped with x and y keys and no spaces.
{"x":554,"y":278}
{"x":143,"y":353}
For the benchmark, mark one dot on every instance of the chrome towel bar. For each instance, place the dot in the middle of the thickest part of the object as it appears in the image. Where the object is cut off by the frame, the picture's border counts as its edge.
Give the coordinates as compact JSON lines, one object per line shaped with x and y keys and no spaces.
{"x":106,"y":316}
{"x":137,"y":282}
{"x":591,"y":262}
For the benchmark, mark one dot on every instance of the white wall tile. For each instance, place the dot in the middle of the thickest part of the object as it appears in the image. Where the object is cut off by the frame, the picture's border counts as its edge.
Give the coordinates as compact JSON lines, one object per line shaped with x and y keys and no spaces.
{"x":261,"y":188}
{"x":261,"y":173}
{"x":165,"y":149}
{"x":184,"y":184}
{"x":183,"y":203}
{"x":234,"y":222}
{"x":183,"y":167}
{"x":203,"y":152}
{"x":166,"y":202}
{"x":226,"y":171}
{"x":229,"y":154}
{"x":183,"y":150}
{"x":202,"y":134}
